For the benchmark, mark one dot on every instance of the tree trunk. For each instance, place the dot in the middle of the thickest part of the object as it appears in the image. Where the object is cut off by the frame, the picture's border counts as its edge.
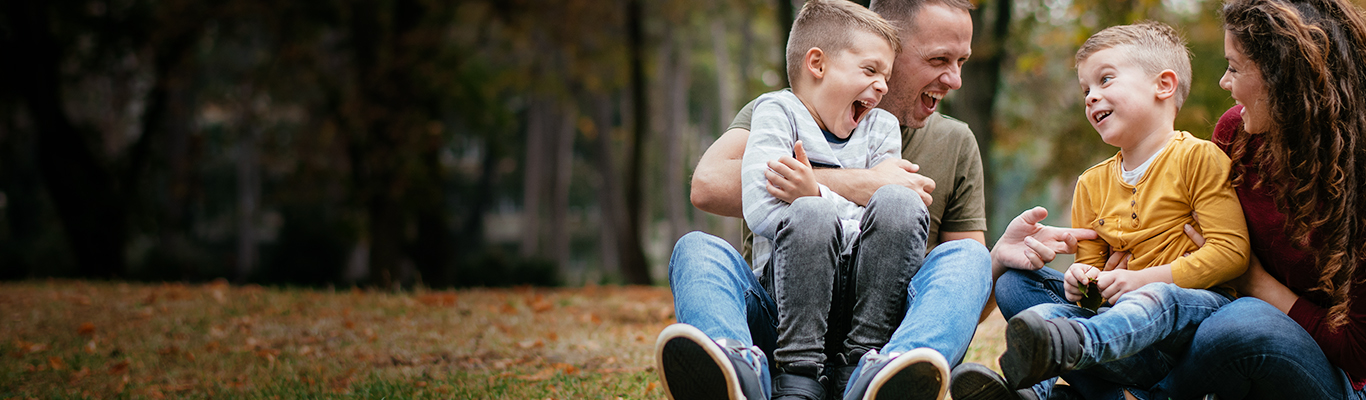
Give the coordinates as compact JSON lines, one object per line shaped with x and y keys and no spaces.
{"x":248,"y":197}
{"x":534,"y":174}
{"x":82,"y":188}
{"x":609,"y":189}
{"x":562,"y":137}
{"x":634,"y":267}
{"x":977,"y":100}
{"x":675,"y":199}
{"x":786,"y":13}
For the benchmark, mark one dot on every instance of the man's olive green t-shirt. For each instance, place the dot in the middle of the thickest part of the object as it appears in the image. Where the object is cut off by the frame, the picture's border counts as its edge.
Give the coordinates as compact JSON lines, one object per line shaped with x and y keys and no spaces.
{"x":947,"y":153}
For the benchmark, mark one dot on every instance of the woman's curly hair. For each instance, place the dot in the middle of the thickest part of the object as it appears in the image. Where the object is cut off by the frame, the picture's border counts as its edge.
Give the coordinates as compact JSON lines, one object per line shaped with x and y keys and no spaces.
{"x":1311,"y":55}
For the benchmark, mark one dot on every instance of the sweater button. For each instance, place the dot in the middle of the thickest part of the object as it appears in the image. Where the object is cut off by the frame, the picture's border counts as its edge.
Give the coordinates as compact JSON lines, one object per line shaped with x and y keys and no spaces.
{"x":1134,"y":215}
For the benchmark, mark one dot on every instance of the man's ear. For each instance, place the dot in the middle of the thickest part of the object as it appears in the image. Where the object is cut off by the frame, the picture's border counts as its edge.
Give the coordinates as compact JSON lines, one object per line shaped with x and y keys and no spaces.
{"x":1166,"y":84}
{"x":814,"y":61}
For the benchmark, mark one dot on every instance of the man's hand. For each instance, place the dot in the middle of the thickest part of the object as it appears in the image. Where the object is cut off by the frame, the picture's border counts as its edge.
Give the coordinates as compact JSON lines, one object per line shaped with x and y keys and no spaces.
{"x":901,"y":172}
{"x":1027,"y":244}
{"x":792,"y":177}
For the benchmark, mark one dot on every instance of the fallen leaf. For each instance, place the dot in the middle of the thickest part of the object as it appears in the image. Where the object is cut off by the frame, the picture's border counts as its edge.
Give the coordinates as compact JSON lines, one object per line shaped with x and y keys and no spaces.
{"x":651,"y":387}
{"x":437,"y":299}
{"x":539,"y":304}
{"x":118,"y":368}
{"x":539,"y":376}
{"x":90,"y":347}
{"x":527,"y":344}
{"x":86,"y":329}
{"x":569,"y":369}
{"x":56,"y":363}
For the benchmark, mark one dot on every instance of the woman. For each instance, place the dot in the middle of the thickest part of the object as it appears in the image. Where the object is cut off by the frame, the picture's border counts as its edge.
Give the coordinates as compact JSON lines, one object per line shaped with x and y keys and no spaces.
{"x":1297,"y":140}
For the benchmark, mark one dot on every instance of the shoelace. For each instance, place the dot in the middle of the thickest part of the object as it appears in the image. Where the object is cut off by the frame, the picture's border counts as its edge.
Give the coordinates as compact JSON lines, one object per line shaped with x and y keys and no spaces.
{"x":752,"y":356}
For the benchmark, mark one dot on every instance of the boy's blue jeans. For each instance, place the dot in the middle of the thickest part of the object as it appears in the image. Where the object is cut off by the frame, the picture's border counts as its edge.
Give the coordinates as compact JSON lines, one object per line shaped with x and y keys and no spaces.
{"x":716,"y":291}
{"x":1162,"y":341}
{"x":842,"y":293}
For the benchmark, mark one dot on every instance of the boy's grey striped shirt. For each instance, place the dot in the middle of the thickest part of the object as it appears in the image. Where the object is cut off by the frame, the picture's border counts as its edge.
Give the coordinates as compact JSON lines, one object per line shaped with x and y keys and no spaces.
{"x":780,"y":119}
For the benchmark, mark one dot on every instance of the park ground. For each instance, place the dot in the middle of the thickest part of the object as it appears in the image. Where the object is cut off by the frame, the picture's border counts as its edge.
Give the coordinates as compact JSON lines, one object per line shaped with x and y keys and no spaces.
{"x":81,"y":339}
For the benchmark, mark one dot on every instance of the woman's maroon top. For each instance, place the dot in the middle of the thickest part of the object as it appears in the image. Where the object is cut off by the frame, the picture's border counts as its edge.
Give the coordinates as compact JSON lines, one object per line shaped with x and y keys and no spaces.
{"x":1294,"y":267}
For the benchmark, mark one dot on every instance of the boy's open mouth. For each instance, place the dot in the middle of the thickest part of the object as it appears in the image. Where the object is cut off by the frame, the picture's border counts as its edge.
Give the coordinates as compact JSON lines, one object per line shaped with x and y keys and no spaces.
{"x":861,"y":108}
{"x":1100,"y":115}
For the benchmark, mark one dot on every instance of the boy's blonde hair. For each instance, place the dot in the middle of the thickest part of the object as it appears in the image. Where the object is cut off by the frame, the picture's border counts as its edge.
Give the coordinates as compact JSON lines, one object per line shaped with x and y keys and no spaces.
{"x":1154,"y":46}
{"x":827,"y":24}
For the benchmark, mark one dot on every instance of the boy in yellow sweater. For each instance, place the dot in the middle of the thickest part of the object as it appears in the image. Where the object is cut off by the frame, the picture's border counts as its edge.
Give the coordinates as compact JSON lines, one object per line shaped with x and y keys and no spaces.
{"x":1135,"y":78}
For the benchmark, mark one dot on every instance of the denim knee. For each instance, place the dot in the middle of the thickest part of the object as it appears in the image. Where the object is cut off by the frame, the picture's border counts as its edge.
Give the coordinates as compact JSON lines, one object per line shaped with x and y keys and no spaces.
{"x":1246,"y":325}
{"x":811,"y":221}
{"x":899,"y":210}
{"x":701,"y":250}
{"x":968,"y":258}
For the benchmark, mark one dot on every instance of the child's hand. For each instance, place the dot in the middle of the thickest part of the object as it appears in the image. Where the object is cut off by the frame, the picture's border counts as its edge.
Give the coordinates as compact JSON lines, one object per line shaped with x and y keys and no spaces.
{"x":790,"y":178}
{"x":1077,"y":276}
{"x":1117,"y":282}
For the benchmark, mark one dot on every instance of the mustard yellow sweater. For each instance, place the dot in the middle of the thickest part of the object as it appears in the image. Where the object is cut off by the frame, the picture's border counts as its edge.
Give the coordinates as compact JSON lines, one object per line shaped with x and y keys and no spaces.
{"x":1146,"y":219}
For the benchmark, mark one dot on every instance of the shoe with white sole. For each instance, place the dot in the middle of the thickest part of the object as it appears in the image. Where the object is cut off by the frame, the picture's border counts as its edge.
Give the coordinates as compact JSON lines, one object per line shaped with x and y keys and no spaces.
{"x":694,"y":367}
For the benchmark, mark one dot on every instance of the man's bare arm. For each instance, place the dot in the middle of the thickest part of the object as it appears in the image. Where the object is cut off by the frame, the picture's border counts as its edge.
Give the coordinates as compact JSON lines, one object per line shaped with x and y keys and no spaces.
{"x":858,"y":185}
{"x":716,"y":180}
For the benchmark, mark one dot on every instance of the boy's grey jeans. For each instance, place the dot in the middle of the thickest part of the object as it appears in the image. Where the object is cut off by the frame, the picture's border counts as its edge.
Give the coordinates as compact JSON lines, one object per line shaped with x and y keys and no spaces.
{"x":843,"y":298}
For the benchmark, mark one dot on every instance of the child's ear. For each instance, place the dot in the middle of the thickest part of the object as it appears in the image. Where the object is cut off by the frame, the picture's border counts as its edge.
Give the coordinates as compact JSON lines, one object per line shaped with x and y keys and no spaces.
{"x":1166,"y":84}
{"x":814,"y":61}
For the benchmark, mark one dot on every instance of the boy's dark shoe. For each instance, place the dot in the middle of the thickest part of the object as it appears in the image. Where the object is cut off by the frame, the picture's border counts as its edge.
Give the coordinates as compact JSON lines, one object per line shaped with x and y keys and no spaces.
{"x":977,"y":382}
{"x":1038,"y":349}
{"x":838,"y":376}
{"x":919,"y":374}
{"x":692,"y":366}
{"x":790,"y":386}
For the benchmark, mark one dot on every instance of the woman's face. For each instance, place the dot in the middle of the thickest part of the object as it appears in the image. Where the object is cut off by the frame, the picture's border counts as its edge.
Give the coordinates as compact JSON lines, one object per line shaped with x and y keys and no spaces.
{"x":1243,"y":80}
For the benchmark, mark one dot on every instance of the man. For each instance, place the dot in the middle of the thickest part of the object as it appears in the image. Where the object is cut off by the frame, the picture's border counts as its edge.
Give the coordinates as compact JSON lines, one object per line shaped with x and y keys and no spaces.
{"x":726,"y":333}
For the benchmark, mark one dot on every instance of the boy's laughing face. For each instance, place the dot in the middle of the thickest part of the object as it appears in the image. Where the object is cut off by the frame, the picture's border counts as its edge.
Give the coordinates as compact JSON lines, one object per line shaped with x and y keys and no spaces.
{"x":1120,"y":97}
{"x":852,"y":83}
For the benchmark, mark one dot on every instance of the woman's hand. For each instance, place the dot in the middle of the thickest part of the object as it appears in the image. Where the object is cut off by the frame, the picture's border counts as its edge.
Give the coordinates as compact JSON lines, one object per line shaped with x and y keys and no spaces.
{"x":1256,"y":282}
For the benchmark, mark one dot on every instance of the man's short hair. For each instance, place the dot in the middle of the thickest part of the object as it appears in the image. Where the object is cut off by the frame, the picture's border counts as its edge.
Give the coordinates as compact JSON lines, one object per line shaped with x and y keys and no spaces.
{"x":901,"y":13}
{"x":828,"y":25}
{"x":1154,"y":46}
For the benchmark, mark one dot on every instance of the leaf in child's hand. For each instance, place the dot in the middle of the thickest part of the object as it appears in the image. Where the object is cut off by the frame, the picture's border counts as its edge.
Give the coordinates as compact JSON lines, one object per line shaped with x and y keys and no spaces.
{"x":1091,"y":298}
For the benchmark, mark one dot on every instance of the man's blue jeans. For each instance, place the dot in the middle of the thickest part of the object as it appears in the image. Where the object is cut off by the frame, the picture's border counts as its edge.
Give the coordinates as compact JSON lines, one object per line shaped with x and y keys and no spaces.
{"x":716,"y":291}
{"x":1153,"y":338}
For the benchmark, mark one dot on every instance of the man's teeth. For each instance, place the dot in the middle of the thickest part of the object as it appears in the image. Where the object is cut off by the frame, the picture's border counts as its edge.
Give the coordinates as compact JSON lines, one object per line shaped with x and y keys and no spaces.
{"x":936,"y":96}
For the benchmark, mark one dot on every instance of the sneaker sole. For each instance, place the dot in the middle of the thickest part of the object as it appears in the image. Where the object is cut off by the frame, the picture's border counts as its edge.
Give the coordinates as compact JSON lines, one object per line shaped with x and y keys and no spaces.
{"x":1026,"y":353}
{"x":920,"y":374}
{"x":700,"y":370}
{"x":977,"y":382}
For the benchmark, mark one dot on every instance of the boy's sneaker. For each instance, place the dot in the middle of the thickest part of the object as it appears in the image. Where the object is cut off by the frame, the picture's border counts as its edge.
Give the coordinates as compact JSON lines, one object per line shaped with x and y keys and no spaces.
{"x":918,"y":374}
{"x":790,"y":386}
{"x":973,"y":381}
{"x":692,"y":366}
{"x":1038,"y":349}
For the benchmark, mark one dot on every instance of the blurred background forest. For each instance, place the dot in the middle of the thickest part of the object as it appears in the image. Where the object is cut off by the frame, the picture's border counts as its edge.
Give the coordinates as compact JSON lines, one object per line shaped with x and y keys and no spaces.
{"x":458,"y":143}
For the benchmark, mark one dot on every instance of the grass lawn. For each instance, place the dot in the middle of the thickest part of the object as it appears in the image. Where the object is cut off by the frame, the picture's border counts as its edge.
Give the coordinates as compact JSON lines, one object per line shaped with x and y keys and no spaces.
{"x":76,"y":339}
